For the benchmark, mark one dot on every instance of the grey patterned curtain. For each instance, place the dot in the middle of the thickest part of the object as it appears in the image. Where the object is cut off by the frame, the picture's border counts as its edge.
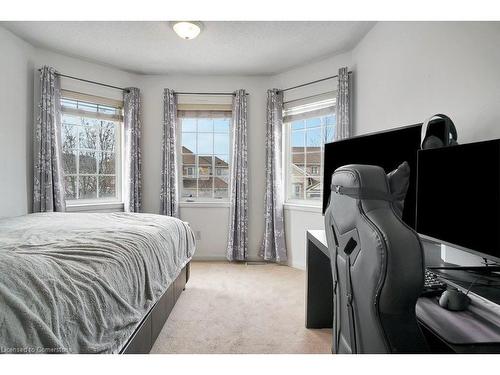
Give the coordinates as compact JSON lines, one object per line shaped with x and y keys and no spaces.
{"x":48,"y":179}
{"x":169,"y":196}
{"x":237,"y":246}
{"x":343,"y":128}
{"x":273,"y":245}
{"x":132,"y":127}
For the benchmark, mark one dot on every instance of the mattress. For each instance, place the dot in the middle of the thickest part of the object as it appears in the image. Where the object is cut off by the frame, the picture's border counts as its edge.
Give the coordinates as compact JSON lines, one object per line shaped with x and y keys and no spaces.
{"x":83,"y":282}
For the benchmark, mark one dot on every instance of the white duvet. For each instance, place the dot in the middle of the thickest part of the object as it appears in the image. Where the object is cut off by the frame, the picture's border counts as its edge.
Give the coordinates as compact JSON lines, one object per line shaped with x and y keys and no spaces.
{"x":82,"y":282}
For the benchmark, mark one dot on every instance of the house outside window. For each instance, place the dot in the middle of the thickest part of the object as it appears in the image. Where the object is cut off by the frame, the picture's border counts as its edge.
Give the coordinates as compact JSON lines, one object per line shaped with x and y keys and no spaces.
{"x":91,"y":138}
{"x":308,"y":126}
{"x":205,"y":139}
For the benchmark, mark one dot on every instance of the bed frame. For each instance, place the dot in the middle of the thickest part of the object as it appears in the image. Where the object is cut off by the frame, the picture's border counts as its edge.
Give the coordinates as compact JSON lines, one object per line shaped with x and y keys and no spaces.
{"x":145,"y":335}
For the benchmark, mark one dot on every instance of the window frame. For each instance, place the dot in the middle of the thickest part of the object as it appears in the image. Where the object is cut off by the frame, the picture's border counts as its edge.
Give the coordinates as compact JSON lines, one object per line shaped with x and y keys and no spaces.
{"x":119,"y":146}
{"x":186,"y":201}
{"x":287,"y":160}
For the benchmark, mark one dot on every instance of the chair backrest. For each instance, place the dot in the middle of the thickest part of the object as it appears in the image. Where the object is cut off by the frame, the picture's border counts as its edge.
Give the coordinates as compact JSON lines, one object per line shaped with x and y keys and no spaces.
{"x":377,"y":266}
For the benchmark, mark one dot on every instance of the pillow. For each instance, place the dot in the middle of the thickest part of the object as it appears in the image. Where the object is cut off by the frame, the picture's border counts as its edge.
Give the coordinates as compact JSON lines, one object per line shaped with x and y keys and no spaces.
{"x":399,"y":180}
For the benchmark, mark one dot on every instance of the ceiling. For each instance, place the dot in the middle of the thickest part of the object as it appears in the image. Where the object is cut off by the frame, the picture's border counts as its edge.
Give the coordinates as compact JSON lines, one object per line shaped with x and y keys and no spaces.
{"x":240,"y":48}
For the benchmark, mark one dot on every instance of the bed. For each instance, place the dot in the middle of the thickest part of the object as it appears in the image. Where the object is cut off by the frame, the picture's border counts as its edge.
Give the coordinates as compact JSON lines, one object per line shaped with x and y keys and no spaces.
{"x":89,"y":282}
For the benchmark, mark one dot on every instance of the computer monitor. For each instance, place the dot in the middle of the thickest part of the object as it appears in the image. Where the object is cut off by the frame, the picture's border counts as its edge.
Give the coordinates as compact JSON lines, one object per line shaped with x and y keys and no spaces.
{"x":387,"y":149}
{"x":458,"y":197}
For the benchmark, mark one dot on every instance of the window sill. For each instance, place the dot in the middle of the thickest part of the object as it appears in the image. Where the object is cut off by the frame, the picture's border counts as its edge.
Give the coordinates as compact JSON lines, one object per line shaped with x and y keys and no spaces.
{"x":206,"y":204}
{"x":95,"y":207}
{"x":306,"y":207}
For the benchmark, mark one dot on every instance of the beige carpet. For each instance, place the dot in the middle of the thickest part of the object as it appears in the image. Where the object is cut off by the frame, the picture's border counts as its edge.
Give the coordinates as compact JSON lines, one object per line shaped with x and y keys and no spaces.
{"x":235,"y":308}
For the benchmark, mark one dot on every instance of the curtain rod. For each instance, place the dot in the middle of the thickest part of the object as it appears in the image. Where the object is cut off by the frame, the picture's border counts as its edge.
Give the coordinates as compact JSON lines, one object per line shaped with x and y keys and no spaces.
{"x":310,"y":83}
{"x":206,"y":93}
{"x":92,"y":82}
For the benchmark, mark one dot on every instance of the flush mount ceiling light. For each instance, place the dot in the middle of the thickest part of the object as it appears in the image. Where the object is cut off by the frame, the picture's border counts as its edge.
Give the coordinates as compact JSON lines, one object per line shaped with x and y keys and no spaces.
{"x":187,"y":29}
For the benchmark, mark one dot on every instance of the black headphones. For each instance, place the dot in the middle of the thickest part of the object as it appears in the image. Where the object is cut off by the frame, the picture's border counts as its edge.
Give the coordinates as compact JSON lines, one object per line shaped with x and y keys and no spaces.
{"x":437,"y":134}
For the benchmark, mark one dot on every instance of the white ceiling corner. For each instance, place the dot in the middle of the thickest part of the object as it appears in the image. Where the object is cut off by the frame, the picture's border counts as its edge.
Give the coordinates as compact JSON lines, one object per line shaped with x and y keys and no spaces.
{"x":225,"y":47}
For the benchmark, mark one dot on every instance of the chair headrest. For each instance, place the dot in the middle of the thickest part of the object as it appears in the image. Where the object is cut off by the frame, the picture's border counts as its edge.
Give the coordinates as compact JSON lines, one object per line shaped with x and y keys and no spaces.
{"x":361,"y":177}
{"x":355,"y":183}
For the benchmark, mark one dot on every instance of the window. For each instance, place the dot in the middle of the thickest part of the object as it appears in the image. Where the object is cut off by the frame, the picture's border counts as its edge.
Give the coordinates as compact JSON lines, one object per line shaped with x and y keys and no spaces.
{"x":205,"y":154}
{"x":91,"y":136}
{"x":307,"y":128}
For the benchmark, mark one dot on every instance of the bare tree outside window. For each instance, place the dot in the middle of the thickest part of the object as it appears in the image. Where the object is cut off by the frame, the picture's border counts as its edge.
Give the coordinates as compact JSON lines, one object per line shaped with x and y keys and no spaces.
{"x":89,"y":152}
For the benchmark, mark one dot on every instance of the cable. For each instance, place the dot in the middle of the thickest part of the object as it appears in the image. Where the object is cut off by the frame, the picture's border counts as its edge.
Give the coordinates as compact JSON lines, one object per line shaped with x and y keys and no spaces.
{"x":472,"y":284}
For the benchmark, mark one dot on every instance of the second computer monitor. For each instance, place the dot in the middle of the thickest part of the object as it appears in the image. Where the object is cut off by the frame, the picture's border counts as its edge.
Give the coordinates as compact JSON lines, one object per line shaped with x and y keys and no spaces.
{"x":458,"y":195}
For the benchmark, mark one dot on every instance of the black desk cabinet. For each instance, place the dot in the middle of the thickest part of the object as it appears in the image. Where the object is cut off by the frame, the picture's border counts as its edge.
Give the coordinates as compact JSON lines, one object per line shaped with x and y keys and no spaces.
{"x":476,"y":330}
{"x":319,"y":289}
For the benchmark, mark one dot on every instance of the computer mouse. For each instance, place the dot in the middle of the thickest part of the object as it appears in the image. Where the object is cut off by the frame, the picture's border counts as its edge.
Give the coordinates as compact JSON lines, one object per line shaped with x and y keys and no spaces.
{"x":454,"y":300}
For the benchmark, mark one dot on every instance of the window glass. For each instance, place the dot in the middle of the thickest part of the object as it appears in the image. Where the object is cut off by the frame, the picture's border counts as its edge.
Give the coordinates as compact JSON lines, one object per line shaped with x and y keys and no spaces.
{"x":205,"y":157}
{"x":306,"y":139}
{"x":90,"y":150}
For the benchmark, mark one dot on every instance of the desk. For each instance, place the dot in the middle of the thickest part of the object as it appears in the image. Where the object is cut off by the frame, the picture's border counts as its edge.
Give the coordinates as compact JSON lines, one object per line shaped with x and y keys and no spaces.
{"x":319,"y":282}
{"x":476,"y":330}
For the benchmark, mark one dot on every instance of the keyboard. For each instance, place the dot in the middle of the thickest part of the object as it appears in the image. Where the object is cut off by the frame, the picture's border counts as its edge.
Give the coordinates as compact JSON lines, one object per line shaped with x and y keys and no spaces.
{"x":433,"y":285}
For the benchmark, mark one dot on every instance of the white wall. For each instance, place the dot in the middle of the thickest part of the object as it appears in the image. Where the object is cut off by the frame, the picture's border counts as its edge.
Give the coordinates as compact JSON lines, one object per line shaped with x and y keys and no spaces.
{"x":402,"y":73}
{"x":86,"y":70}
{"x":211,"y":221}
{"x":211,"y":226}
{"x":297,"y":222}
{"x":81,"y":69}
{"x":18,"y":75}
{"x":18,"y":105}
{"x":406,"y":71}
{"x":298,"y":219}
{"x":16,"y":100}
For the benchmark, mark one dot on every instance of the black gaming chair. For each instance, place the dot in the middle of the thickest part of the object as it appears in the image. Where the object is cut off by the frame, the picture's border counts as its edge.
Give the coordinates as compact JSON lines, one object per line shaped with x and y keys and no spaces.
{"x":377,"y":266}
